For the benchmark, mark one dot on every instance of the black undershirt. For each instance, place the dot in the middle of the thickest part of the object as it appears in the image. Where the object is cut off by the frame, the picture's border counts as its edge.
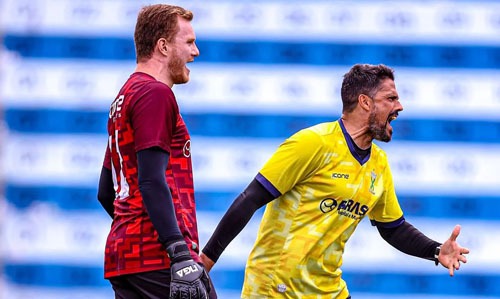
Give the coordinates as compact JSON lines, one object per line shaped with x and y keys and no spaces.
{"x":152,"y":163}
{"x":106,"y":191}
{"x":404,"y":237}
{"x":362,"y":153}
{"x":236,"y":218}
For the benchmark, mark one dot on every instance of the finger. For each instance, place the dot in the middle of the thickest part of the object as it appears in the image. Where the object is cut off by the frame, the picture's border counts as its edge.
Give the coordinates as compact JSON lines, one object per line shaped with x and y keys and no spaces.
{"x":464,"y":251}
{"x":462,"y":258}
{"x":456,"y":265}
{"x":450,"y":268}
{"x":455,"y":233}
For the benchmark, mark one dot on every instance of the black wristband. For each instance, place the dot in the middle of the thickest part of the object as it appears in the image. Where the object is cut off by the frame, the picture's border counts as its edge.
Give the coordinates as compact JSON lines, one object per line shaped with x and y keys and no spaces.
{"x":436,"y":255}
{"x":178,"y":252}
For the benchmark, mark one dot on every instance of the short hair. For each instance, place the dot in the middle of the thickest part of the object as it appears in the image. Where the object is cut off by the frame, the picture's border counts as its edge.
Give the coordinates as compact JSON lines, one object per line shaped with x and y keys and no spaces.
{"x":155,"y":22}
{"x":362,"y":79}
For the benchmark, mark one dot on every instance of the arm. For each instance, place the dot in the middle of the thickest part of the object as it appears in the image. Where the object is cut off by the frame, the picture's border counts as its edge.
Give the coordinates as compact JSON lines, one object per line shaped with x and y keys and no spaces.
{"x":234,"y":220}
{"x":152,"y":163}
{"x":106,"y":191}
{"x":408,"y":239}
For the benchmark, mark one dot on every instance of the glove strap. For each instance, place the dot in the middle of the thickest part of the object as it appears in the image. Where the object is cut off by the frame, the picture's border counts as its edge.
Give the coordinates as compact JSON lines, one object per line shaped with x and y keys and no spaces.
{"x":178,"y":252}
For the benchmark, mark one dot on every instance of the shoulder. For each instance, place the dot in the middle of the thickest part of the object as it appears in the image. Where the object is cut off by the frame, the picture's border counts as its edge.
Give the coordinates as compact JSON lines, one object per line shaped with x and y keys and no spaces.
{"x":312,"y":140}
{"x":319,"y":134}
{"x":155,"y":93}
{"x":378,"y":153}
{"x":145,"y":84}
{"x":307,"y":136}
{"x":159,"y":88}
{"x":321,"y":130}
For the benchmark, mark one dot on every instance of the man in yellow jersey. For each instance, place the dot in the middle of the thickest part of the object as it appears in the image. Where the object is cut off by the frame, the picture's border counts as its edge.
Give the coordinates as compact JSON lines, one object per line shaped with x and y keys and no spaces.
{"x":318,"y":185}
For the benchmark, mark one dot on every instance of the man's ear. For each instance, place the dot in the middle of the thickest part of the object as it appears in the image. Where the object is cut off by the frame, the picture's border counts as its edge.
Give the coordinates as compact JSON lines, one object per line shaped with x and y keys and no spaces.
{"x":365,"y":102}
{"x":162,"y":46}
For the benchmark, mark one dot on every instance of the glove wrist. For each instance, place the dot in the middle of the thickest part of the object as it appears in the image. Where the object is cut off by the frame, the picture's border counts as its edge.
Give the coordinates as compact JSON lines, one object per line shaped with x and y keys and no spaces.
{"x":178,"y":252}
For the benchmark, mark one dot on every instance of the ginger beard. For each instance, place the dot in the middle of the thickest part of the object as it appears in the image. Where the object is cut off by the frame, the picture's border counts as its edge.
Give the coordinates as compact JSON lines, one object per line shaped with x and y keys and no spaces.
{"x":178,"y":70}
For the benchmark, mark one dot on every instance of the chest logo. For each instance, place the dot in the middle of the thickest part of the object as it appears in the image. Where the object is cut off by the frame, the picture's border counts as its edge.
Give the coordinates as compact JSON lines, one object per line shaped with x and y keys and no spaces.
{"x":372,"y":182}
{"x":338,"y":175}
{"x":186,"y":150}
{"x":348,"y":208}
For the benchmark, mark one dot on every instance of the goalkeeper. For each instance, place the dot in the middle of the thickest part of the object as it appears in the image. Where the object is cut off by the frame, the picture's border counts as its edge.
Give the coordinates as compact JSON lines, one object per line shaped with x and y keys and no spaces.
{"x":146,"y":182}
{"x":317,"y":187}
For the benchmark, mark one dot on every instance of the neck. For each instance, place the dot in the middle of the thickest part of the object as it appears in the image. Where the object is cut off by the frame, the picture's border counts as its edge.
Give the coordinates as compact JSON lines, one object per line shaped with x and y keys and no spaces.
{"x":156,"y":69}
{"x":358,"y":130}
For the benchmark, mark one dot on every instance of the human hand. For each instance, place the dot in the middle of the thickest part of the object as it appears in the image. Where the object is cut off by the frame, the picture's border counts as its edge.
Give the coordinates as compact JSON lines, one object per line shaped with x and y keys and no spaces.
{"x":189,"y":279}
{"x":451,"y":253}
{"x":207,"y":262}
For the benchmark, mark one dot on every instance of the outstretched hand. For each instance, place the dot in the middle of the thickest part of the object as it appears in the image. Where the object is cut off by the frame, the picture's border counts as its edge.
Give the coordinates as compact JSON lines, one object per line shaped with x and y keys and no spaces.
{"x":452,"y":253}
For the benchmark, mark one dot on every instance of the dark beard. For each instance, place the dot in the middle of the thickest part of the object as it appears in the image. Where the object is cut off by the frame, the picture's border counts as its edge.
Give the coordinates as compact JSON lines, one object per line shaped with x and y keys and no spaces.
{"x":377,"y":132}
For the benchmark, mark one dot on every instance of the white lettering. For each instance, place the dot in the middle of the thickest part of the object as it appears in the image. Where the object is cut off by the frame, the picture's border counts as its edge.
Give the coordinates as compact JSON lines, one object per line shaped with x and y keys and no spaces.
{"x":187,"y":270}
{"x":116,"y":106}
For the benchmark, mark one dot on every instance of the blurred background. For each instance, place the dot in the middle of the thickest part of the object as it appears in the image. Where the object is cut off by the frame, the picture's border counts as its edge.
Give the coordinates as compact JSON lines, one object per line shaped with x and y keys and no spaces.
{"x":266,"y":70}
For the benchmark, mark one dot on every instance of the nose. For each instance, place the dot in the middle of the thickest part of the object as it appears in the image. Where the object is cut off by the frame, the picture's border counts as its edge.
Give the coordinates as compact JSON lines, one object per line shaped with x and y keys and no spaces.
{"x":399,"y":106}
{"x":196,"y":51}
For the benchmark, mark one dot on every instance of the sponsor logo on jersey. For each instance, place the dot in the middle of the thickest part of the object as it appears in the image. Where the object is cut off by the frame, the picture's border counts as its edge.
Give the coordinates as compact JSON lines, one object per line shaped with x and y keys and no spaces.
{"x":186,"y":150}
{"x":349,"y":208}
{"x":338,"y":175}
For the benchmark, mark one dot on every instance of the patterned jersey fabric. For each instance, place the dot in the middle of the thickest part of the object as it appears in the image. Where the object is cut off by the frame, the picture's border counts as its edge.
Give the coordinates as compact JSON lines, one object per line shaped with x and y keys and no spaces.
{"x":324,"y":191}
{"x":144,"y":115}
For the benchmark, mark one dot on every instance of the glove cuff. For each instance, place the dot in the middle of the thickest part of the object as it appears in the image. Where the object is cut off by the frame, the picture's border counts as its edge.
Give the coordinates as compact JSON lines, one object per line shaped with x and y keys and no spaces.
{"x":178,"y":252}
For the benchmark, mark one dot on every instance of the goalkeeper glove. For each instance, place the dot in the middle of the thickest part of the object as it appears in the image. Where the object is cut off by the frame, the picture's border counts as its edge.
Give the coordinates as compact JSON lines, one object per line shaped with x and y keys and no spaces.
{"x":189,"y":279}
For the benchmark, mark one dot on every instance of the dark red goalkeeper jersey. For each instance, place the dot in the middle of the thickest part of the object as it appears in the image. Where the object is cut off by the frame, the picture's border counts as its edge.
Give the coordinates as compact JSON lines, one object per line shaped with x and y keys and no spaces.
{"x":145,"y":114}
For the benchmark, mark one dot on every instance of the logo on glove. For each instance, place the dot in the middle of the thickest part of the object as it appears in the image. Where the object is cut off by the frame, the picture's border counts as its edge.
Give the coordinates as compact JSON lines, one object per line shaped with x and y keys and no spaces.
{"x":187,"y":270}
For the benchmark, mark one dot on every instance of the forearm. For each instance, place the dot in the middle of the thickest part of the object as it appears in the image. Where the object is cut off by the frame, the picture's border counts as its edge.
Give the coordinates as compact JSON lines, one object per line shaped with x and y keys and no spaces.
{"x":406,"y":238}
{"x":236,"y":218}
{"x":156,"y":194}
{"x":106,"y":191}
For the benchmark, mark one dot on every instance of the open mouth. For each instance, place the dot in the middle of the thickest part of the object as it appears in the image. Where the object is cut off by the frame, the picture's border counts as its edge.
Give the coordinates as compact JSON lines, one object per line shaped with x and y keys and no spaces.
{"x":392,"y":117}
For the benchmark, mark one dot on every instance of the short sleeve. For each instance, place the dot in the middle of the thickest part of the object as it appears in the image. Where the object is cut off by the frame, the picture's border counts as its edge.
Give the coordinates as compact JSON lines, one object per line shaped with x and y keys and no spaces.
{"x":154,"y":116}
{"x":387,"y":211}
{"x":295,"y":160}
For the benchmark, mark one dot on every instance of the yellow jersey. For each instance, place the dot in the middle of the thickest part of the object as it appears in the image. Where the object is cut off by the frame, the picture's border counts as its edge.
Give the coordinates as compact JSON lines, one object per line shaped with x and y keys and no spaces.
{"x":324,"y":189}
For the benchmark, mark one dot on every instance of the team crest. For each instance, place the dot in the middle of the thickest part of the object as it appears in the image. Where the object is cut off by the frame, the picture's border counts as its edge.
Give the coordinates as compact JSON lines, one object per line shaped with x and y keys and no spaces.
{"x":372,"y":182}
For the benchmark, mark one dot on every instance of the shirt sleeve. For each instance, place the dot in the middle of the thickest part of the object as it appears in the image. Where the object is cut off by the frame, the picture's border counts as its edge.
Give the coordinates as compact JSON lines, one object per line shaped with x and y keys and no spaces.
{"x":387,"y":211}
{"x":295,"y":160}
{"x":153,"y":117}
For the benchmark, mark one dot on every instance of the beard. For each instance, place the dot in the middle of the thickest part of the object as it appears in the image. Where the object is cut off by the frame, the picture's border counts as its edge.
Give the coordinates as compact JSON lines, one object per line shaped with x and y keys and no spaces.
{"x":376,"y":130}
{"x":177,"y":69}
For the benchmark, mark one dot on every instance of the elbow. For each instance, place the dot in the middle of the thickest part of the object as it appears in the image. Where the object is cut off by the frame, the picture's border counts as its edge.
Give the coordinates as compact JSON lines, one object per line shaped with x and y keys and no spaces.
{"x":102,"y":198}
{"x":385,"y":234}
{"x":107,"y":200}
